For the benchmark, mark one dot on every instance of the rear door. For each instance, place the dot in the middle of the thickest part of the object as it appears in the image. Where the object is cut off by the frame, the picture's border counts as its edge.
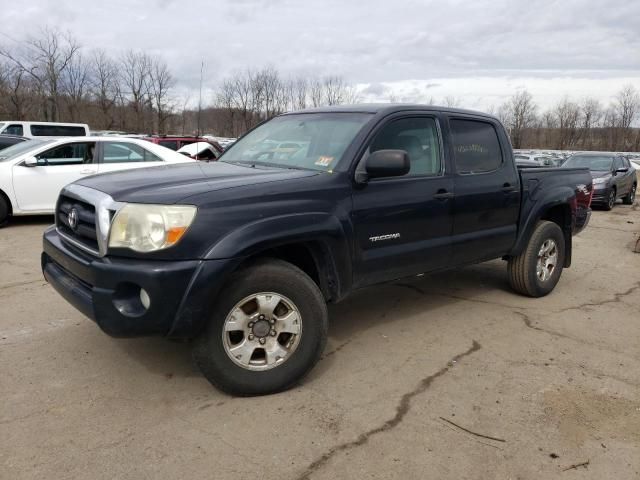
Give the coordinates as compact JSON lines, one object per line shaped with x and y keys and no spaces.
{"x":125,"y":155}
{"x":37,"y":188}
{"x":403,"y":224}
{"x":487,"y":190}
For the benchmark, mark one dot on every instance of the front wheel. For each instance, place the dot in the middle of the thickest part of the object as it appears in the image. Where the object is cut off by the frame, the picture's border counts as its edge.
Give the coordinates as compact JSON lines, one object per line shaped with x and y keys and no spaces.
{"x":266,"y":332}
{"x":611,"y":200}
{"x":536,"y":271}
{"x":4,"y":211}
{"x":631,"y":196}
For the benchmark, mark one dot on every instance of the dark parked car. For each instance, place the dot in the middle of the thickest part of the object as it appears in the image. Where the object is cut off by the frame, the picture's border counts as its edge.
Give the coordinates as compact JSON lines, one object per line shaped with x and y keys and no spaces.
{"x":243,"y":254}
{"x":9,"y":140}
{"x":613,"y":177}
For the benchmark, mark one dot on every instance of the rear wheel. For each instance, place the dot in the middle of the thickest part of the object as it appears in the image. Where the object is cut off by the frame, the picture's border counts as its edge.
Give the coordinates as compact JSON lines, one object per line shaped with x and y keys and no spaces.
{"x":631,"y":196}
{"x":4,"y":210}
{"x":536,"y":271}
{"x":611,"y":200}
{"x":265,"y":333}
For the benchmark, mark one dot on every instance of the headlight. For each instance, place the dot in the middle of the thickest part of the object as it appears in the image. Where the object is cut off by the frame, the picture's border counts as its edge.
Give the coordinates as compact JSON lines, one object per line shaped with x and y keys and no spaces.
{"x":600,"y":180}
{"x":147,"y":228}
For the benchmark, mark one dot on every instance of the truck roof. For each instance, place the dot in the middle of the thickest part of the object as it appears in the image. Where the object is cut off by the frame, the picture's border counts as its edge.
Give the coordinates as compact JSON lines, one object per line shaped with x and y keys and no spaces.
{"x":387,"y":108}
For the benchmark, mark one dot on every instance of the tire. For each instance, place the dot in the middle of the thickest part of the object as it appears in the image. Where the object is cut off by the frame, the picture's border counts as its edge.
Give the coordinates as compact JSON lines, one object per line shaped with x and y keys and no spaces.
{"x":523,"y":270}
{"x":631,"y":196}
{"x":254,"y":371}
{"x":4,"y":210}
{"x":611,"y":200}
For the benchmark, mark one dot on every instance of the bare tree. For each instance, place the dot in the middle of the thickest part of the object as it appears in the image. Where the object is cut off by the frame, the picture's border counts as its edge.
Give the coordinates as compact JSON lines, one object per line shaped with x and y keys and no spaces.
{"x":161,"y":82}
{"x":567,"y":114}
{"x":627,"y":107}
{"x":136,"y":82}
{"x":75,"y":82}
{"x":105,"y":87}
{"x":45,"y":59}
{"x":519,"y":113}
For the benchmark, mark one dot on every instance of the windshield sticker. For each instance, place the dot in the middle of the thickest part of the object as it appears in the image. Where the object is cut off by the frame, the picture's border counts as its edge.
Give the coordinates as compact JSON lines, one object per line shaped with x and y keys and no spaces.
{"x":324,"y":161}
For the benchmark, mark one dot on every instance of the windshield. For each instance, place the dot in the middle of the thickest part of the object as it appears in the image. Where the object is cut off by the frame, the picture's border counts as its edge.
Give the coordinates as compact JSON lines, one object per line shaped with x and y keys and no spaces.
{"x":313,"y":141}
{"x":19,"y":148}
{"x":592,"y":162}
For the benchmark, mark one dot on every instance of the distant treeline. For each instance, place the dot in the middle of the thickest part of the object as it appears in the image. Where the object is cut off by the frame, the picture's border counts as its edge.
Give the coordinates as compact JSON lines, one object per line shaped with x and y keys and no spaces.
{"x":50,"y":77}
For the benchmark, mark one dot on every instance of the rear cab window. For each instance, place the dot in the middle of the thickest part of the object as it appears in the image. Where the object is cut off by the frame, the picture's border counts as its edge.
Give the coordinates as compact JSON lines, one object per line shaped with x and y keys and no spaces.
{"x":476,"y":146}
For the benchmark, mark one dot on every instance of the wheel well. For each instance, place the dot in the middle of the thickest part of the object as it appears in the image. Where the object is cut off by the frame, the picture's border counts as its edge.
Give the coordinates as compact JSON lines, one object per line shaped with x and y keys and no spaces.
{"x":561,"y":215}
{"x":6,"y":199}
{"x":308,"y":257}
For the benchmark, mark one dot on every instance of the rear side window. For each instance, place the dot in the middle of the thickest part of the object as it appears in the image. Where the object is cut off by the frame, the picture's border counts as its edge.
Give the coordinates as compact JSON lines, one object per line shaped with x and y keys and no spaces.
{"x":476,"y":146}
{"x":14,"y":129}
{"x":57,"y":131}
{"x":120,"y":152}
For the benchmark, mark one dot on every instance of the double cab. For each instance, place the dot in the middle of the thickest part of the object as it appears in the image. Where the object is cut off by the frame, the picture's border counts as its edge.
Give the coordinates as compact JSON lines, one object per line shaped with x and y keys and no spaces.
{"x":242,"y":255}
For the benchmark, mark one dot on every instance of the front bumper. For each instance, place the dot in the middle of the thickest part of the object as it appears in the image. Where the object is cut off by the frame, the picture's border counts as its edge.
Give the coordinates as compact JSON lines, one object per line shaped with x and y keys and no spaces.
{"x":601,"y":196}
{"x":107,"y":290}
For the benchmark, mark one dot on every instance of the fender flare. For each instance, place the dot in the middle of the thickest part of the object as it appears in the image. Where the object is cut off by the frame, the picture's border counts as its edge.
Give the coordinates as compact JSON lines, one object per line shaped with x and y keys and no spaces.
{"x":541,"y":204}
{"x":323,"y":232}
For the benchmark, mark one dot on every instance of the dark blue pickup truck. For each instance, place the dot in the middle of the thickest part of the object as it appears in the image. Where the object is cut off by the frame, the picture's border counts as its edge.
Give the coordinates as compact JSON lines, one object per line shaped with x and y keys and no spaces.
{"x":242,"y":255}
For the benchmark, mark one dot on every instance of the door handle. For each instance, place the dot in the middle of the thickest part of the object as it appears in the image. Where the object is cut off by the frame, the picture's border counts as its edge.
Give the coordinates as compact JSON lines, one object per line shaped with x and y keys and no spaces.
{"x":508,"y":188}
{"x":88,"y":171}
{"x":443,"y":195}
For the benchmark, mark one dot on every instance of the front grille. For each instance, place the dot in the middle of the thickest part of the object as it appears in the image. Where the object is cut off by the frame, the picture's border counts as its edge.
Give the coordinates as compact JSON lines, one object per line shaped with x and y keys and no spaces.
{"x":85,"y":229}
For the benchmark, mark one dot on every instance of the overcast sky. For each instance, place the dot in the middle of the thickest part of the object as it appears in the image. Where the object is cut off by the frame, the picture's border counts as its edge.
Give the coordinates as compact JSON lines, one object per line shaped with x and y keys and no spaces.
{"x":478,"y":51}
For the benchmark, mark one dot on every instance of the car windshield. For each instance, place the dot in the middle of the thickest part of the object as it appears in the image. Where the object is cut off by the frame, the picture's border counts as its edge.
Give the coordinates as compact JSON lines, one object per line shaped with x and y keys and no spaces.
{"x":311,"y":141}
{"x":20,"y":148}
{"x":592,"y":162}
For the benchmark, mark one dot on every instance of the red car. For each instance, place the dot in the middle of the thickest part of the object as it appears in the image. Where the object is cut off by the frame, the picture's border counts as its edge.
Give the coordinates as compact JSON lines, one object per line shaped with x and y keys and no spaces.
{"x":176,"y":142}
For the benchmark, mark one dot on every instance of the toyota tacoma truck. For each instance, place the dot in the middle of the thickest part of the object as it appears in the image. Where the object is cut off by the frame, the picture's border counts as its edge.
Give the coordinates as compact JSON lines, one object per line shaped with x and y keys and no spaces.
{"x":242,"y":255}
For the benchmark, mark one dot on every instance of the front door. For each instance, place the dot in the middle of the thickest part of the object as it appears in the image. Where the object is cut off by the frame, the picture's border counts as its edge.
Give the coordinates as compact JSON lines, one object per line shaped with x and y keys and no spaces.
{"x":37,"y":188}
{"x":403,"y":224}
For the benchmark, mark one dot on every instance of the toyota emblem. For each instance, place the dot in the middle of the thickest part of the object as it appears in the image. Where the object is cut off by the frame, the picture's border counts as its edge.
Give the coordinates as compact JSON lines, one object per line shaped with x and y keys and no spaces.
{"x":72,"y":219}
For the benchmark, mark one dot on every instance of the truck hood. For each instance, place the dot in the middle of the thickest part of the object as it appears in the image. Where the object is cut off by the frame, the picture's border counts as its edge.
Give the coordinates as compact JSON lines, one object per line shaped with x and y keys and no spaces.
{"x":174,"y":183}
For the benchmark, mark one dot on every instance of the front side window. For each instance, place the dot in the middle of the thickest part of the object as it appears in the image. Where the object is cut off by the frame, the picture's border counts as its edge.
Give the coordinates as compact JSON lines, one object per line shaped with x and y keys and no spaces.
{"x":15,"y":129}
{"x":69,"y":154}
{"x":121,"y":152}
{"x":476,"y":146}
{"x":418,"y":136}
{"x":618,"y":163}
{"x":310,"y":141}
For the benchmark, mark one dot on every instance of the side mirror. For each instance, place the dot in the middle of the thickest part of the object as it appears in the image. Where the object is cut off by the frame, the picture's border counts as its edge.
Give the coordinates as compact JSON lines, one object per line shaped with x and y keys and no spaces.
{"x":31,"y":162}
{"x":387,"y":163}
{"x":622,"y":170}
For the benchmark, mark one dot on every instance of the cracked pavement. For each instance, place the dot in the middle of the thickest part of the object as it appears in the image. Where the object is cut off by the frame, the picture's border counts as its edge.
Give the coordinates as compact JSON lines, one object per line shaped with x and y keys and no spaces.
{"x":557,"y":378}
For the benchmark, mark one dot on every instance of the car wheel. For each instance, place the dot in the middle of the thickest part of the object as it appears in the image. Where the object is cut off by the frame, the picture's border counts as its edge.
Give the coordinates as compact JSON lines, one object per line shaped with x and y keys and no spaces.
{"x":631,"y":196}
{"x":4,"y":211}
{"x":611,"y":200}
{"x":266,"y":331}
{"x":536,"y":271}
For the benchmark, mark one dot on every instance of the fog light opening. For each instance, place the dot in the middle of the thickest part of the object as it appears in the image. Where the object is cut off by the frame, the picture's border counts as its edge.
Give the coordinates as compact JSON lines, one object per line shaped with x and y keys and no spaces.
{"x":144,"y":299}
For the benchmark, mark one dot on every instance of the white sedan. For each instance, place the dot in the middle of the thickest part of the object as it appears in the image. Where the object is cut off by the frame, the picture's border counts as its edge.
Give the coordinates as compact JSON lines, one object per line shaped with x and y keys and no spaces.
{"x":32,"y":173}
